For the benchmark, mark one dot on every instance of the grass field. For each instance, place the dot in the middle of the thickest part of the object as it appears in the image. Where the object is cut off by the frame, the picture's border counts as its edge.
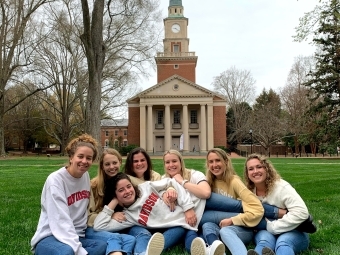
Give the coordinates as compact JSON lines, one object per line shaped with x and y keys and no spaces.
{"x":316,"y":179}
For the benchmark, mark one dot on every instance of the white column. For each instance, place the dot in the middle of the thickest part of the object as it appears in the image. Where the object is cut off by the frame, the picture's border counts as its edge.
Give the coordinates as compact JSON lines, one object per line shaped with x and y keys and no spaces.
{"x":203,"y":124}
{"x":149,"y":131}
{"x":210,"y":128}
{"x":185,"y":128}
{"x":167,"y":128}
{"x":142,"y":129}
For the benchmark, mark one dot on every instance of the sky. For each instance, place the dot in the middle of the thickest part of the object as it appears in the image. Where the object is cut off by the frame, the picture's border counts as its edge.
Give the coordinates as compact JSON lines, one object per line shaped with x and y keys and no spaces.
{"x":253,"y":35}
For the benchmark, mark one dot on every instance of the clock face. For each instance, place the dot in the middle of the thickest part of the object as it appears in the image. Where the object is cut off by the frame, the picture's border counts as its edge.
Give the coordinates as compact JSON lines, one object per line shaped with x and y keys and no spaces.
{"x":175,"y":28}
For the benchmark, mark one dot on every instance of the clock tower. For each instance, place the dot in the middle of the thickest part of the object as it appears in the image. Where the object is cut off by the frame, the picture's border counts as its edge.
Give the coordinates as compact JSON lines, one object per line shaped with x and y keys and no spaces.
{"x":176,"y":57}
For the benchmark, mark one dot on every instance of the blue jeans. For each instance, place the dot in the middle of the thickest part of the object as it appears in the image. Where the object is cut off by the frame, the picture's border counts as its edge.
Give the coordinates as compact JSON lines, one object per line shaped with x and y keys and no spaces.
{"x":219,"y":207}
{"x":236,"y":238}
{"x":172,"y":236}
{"x":51,"y":246}
{"x":288,"y":243}
{"x":115,"y":241}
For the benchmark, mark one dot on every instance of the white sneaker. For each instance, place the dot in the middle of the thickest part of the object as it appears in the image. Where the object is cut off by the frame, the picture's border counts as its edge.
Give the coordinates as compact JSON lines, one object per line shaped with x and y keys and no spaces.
{"x":155,"y":245}
{"x":216,"y":248}
{"x":198,"y":247}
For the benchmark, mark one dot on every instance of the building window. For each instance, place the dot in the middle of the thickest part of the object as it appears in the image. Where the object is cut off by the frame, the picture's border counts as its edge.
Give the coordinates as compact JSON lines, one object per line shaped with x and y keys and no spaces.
{"x":193,"y":116}
{"x":176,"y":66}
{"x":106,"y":143}
{"x":159,"y":117}
{"x":116,"y":143}
{"x":116,"y":132}
{"x":125,"y":132}
{"x":106,"y":133}
{"x":177,"y":117}
{"x":125,"y":143}
{"x":176,"y":47}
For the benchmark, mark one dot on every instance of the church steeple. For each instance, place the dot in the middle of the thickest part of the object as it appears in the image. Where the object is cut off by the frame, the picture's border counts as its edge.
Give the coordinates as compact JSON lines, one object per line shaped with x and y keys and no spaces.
{"x":175,"y":9}
{"x":176,"y":57}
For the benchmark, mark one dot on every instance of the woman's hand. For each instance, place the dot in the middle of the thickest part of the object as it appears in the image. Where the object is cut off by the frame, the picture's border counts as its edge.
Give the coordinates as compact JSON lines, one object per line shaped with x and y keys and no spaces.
{"x":170,"y":198}
{"x":190,"y":217}
{"x":226,"y":222}
{"x":119,"y":216}
{"x":178,"y":178}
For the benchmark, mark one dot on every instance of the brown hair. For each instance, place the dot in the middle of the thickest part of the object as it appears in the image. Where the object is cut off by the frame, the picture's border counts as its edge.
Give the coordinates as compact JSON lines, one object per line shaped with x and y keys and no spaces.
{"x":228,"y":173}
{"x":98,"y":182}
{"x":128,"y":168}
{"x":82,"y":140}
{"x":272,"y":174}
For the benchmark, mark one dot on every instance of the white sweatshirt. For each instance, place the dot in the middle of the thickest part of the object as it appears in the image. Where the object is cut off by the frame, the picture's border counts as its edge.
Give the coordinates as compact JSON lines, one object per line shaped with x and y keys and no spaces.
{"x":64,"y":202}
{"x":285,"y":196}
{"x":150,"y":211}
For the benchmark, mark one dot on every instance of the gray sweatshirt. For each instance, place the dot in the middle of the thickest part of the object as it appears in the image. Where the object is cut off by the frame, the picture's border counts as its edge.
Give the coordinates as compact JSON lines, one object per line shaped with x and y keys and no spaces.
{"x":150,"y":211}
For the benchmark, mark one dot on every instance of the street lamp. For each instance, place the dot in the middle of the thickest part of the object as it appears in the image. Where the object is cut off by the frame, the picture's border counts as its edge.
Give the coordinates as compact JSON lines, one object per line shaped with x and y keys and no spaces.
{"x":251,"y":141}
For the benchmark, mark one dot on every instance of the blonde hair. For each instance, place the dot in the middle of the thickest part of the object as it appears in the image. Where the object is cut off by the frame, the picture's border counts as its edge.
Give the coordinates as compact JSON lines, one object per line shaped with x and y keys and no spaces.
{"x":272,"y":174}
{"x":82,"y":140}
{"x":228,"y":173}
{"x":185,"y":173}
{"x":98,"y":182}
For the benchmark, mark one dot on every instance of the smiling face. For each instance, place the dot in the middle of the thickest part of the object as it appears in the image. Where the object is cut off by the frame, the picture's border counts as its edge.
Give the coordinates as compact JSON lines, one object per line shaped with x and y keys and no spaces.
{"x":256,"y":172}
{"x":172,"y":164}
{"x":125,"y":192}
{"x":140,"y":164}
{"x":216,"y":165}
{"x":111,"y":165}
{"x":81,"y":161}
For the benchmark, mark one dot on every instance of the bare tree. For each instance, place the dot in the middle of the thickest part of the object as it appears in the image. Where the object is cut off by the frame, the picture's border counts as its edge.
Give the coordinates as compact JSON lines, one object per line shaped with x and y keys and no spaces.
{"x":60,"y":62}
{"x":130,"y":39}
{"x":16,"y":45}
{"x":294,"y":96}
{"x":267,"y":122}
{"x":238,"y":87}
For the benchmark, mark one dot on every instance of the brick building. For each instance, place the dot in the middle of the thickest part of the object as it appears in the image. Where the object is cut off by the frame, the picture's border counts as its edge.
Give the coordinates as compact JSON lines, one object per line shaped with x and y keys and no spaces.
{"x":176,"y":112}
{"x":114,"y":133}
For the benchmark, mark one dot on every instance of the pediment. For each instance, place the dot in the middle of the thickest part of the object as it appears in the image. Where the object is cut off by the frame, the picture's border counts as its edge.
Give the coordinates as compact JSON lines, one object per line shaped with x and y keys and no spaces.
{"x":175,"y":87}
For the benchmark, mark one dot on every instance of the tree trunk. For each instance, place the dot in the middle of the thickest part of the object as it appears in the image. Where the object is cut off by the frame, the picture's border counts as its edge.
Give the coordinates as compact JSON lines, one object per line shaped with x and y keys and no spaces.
{"x":2,"y":128}
{"x":95,"y":54}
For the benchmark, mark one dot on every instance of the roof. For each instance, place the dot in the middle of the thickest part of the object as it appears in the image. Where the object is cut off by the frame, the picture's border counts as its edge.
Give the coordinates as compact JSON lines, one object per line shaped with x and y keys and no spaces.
{"x":114,"y":123}
{"x":175,"y":3}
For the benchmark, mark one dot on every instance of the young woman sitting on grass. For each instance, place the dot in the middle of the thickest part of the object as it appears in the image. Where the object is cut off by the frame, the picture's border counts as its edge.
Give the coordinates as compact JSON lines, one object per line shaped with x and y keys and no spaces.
{"x":109,"y":165}
{"x":285,"y":236}
{"x":143,"y":206}
{"x":235,"y":230}
{"x":138,"y":167}
{"x":64,"y":200}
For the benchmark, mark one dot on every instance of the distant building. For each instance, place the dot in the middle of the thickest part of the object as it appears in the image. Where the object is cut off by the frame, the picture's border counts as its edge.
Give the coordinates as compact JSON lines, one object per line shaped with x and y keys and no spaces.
{"x":177,"y":113}
{"x":114,"y":133}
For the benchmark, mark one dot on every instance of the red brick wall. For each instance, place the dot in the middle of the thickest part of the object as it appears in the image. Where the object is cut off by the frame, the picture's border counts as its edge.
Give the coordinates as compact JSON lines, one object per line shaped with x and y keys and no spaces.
{"x":186,"y":69}
{"x":220,"y":127}
{"x":134,"y":126}
{"x":111,"y":134}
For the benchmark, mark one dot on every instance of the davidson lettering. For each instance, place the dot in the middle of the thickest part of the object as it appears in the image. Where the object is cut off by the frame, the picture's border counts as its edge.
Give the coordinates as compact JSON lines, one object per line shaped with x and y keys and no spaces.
{"x":85,"y":194}
{"x":147,"y":208}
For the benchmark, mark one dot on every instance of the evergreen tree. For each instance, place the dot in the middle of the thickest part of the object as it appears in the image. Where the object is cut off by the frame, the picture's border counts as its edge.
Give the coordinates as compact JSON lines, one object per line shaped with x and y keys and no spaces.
{"x":325,"y":78}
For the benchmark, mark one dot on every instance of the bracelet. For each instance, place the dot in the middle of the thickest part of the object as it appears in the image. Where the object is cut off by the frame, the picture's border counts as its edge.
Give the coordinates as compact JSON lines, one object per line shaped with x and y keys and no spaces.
{"x":184,"y":182}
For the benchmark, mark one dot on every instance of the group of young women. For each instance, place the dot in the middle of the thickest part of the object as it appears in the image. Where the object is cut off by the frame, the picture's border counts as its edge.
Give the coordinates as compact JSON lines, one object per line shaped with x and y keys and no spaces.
{"x":140,"y":212}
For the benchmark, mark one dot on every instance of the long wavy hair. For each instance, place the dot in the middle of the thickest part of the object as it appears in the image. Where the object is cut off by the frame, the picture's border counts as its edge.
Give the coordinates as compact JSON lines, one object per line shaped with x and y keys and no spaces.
{"x":185,"y":173}
{"x":99,"y":183}
{"x":272,"y":174}
{"x":128,"y":168}
{"x":228,"y":169}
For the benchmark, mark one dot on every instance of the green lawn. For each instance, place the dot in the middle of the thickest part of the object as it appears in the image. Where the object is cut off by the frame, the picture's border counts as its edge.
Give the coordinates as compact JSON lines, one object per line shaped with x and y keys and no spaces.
{"x":316,"y":180}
